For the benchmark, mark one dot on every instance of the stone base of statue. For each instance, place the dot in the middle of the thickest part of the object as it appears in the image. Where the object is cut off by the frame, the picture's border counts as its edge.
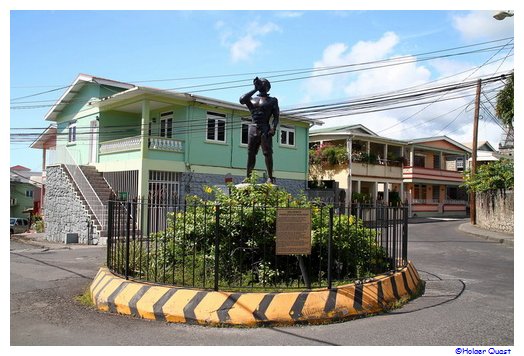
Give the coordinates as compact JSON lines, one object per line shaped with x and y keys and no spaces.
{"x":245,"y":185}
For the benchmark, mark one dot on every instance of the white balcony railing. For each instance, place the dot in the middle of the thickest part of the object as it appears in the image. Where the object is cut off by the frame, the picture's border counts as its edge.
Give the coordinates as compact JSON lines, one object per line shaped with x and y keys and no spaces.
{"x":133,"y":144}
{"x":425,"y":201}
{"x":120,"y":145}
{"x":436,"y":201}
{"x":165,"y":144}
{"x":455,"y":202}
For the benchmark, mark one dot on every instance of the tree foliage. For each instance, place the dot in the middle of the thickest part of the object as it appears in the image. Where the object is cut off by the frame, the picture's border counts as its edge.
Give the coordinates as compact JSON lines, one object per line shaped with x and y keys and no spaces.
{"x":504,"y":109}
{"x":328,"y":154}
{"x":183,"y":254}
{"x":491,"y":177}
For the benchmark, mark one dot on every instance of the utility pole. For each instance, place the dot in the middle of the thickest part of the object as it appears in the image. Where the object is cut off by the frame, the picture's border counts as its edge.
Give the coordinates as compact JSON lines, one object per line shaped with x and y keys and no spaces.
{"x":472,"y":195}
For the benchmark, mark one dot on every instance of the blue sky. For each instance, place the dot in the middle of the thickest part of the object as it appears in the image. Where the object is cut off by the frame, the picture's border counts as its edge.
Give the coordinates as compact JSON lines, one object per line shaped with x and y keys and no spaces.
{"x":48,"y":49}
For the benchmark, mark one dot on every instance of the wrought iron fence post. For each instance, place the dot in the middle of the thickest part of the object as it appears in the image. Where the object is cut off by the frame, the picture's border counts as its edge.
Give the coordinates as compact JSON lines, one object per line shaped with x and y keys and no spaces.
{"x":385,"y":224}
{"x":109,"y":228}
{"x":330,"y":237}
{"x":390,"y":236}
{"x":395,"y":237}
{"x":405,"y":236}
{"x":217,"y":242}
{"x":128,"y":230}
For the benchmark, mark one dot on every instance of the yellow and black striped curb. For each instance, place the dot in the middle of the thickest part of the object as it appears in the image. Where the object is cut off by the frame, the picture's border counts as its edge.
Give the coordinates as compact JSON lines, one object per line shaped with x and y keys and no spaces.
{"x":193,"y":306}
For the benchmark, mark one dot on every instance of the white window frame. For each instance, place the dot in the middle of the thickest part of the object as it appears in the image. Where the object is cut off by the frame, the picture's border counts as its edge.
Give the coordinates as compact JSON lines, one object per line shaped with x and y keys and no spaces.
{"x":287,"y":130}
{"x":459,"y":164}
{"x":166,"y":125}
{"x":216,"y":118}
{"x":71,"y":132}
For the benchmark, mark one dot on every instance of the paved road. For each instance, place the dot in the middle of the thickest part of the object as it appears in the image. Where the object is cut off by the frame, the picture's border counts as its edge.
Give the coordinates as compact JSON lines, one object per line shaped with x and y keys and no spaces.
{"x":468,"y":301}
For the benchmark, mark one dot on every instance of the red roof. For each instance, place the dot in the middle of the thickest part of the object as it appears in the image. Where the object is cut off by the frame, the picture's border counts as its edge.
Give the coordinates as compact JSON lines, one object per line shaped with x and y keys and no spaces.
{"x":19,"y":168}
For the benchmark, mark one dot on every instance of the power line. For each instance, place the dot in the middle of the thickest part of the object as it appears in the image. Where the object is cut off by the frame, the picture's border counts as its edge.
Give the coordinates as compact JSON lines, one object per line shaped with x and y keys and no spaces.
{"x":200,"y":125}
{"x":309,"y":70}
{"x":485,"y":62}
{"x":388,"y":98}
{"x":322,"y":75}
{"x":452,"y":131}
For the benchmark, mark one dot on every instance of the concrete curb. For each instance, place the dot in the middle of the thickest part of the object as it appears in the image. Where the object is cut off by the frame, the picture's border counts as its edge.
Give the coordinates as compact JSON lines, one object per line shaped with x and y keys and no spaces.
{"x":114,"y":294}
{"x":500,"y":237}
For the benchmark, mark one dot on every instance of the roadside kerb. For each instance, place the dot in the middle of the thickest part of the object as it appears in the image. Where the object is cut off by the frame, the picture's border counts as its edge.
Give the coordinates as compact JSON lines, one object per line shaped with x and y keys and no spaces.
{"x":114,"y":294}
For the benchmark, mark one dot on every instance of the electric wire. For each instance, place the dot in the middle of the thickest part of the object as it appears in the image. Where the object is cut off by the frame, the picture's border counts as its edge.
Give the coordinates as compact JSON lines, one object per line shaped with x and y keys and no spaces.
{"x":199,"y":123}
{"x":309,"y":70}
{"x":438,"y":99}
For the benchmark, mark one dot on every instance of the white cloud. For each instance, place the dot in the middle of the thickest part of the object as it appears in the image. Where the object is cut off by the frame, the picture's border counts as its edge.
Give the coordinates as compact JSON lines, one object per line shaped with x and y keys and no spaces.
{"x":370,"y":51}
{"x":243,"y":48}
{"x":243,"y":45}
{"x":481,"y":25}
{"x":388,"y":79}
{"x":438,"y":116}
{"x":358,"y":82}
{"x":219,"y":24}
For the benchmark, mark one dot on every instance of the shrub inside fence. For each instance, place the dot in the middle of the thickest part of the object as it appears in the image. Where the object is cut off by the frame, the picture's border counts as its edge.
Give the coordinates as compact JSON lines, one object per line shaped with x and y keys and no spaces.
{"x":228,"y":242}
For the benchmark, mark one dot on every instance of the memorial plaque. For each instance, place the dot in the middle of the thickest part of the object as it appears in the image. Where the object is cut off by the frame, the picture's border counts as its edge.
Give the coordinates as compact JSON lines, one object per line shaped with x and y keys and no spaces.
{"x":293,"y":231}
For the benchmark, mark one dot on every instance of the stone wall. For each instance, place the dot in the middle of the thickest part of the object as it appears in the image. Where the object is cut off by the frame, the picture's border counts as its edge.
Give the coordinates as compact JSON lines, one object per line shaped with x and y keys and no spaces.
{"x":495,"y":211}
{"x":193,"y":183}
{"x":63,"y":210}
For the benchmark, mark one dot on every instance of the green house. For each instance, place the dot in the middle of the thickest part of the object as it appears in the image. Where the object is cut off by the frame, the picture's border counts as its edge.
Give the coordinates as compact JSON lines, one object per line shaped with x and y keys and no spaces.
{"x":25,"y":192}
{"x":143,"y":142}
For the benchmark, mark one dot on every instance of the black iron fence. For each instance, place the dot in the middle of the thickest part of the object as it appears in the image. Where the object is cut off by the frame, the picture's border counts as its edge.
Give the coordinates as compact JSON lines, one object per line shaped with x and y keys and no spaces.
{"x":233,"y":247}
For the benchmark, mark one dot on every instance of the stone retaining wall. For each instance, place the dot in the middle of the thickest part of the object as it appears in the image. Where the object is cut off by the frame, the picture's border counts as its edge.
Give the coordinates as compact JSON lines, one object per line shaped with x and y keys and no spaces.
{"x":193,"y":183}
{"x":495,"y":211}
{"x":63,"y":210}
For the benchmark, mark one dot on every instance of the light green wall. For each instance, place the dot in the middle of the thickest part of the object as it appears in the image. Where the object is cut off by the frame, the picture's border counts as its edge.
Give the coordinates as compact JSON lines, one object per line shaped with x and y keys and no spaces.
{"x":119,"y":156}
{"x":201,"y":151}
{"x":189,"y":125}
{"x":233,"y":154}
{"x":117,"y":124}
{"x":78,"y":110}
{"x":18,"y":191}
{"x":81,"y":100}
{"x":79,"y":150}
{"x":179,"y":121}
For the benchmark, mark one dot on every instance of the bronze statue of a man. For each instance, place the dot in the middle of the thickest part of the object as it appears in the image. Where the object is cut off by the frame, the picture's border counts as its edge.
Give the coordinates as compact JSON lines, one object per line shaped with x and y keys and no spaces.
{"x":261,"y":131}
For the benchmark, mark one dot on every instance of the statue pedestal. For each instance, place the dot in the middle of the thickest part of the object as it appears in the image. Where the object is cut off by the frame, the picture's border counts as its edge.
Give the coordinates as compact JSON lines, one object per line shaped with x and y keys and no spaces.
{"x":245,"y":185}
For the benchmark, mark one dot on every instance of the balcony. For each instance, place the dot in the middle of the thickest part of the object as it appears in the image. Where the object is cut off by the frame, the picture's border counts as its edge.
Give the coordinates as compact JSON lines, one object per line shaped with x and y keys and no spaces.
{"x":165,"y":144}
{"x":134,"y":143}
{"x":432,"y":174}
{"x":120,"y":145}
{"x":425,"y":201}
{"x":376,"y":170}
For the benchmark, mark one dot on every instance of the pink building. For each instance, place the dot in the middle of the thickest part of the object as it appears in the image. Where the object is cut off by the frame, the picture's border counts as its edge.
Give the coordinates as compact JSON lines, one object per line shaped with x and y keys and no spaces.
{"x":433,"y":175}
{"x":424,"y":174}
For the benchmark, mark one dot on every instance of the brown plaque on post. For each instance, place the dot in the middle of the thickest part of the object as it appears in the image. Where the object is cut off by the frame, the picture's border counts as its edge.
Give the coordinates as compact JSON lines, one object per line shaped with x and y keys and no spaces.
{"x":293,"y":231}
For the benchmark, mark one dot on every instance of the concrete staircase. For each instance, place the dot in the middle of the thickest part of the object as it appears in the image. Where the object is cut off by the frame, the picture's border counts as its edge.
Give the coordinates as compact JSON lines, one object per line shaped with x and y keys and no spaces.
{"x":98,"y":182}
{"x":101,"y":189}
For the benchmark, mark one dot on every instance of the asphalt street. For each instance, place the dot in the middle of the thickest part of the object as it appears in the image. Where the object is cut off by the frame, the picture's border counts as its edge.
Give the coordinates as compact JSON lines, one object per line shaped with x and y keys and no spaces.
{"x":469,"y":300}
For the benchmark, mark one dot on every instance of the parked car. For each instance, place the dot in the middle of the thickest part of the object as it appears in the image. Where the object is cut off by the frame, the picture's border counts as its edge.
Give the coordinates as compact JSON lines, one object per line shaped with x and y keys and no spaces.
{"x":19,"y":225}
